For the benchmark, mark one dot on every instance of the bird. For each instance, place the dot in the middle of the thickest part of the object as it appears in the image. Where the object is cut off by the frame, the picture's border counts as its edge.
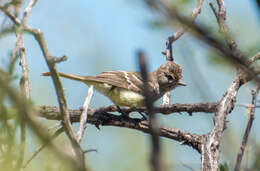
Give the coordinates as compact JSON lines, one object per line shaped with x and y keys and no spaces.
{"x":125,"y":88}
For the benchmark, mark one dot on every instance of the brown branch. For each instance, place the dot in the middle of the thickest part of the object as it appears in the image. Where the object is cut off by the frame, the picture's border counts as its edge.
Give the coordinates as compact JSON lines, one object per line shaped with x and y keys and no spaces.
{"x":80,"y":158}
{"x":211,"y":142}
{"x":176,"y":36}
{"x":248,"y":129}
{"x":166,"y":110}
{"x":221,"y":19}
{"x":211,"y":145}
{"x":100,"y":117}
{"x":255,"y":58}
{"x":194,"y":14}
{"x":156,"y":160}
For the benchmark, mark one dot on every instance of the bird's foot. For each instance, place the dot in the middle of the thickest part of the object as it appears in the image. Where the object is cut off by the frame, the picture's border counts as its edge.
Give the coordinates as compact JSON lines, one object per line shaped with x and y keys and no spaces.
{"x":124,"y":115}
{"x":144,"y":118}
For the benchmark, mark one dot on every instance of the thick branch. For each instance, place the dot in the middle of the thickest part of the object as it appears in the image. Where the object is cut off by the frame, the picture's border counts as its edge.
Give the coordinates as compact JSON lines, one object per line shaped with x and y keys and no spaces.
{"x":99,"y":117}
{"x":164,"y":109}
{"x":211,"y":142}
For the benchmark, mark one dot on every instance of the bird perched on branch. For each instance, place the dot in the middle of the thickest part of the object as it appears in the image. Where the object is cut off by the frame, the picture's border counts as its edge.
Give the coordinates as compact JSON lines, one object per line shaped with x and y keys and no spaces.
{"x":125,"y":88}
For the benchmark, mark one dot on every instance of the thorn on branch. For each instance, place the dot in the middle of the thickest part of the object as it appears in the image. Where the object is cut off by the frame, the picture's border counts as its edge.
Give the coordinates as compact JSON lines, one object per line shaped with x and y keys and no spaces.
{"x":54,"y":59}
{"x":90,"y":150}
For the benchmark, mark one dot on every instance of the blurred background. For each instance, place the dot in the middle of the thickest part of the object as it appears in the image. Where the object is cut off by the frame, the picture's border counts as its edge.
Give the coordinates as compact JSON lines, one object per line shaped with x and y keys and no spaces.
{"x":99,"y":36}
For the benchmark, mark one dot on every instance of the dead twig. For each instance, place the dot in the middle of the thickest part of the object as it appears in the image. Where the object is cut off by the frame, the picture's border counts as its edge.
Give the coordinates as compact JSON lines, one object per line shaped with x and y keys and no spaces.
{"x":173,"y":38}
{"x":84,"y":115}
{"x":248,"y":129}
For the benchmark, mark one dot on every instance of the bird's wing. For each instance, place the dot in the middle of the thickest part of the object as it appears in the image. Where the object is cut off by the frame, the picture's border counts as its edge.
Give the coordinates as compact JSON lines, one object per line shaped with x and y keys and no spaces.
{"x":128,"y":80}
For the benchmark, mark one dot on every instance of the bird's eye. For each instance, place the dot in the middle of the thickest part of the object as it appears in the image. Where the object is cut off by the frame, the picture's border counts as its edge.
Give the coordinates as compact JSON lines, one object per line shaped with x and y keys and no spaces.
{"x":169,"y":77}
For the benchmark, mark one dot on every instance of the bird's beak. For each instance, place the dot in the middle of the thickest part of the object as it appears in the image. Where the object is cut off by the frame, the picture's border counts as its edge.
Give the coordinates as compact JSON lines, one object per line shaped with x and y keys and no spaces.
{"x":180,"y":83}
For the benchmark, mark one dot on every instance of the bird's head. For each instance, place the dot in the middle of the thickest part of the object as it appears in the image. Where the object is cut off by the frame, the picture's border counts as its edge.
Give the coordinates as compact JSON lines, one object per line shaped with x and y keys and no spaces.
{"x":169,"y":76}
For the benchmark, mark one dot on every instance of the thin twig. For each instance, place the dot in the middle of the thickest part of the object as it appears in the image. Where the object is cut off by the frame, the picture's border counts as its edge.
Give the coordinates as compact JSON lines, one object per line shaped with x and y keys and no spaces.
{"x":187,"y":166}
{"x":156,"y":161}
{"x":84,"y":115}
{"x":255,"y":57}
{"x":176,"y":36}
{"x":248,"y":129}
{"x":28,"y":10}
{"x":90,"y":150}
{"x":194,"y":14}
{"x":56,"y":134}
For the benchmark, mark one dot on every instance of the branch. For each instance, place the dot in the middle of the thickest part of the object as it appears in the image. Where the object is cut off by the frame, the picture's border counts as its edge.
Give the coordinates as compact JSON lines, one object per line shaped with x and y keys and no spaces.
{"x":100,"y":117}
{"x":27,"y":11}
{"x":248,"y":129}
{"x":61,"y":97}
{"x":211,"y":142}
{"x":168,"y":109}
{"x":194,"y":14}
{"x":221,"y":18}
{"x":176,"y":36}
{"x":84,"y":115}
{"x":156,"y":161}
{"x":10,"y":15}
{"x":255,"y":58}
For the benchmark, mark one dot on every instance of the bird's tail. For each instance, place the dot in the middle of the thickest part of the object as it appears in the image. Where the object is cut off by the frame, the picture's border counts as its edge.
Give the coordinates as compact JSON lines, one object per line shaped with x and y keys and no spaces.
{"x":69,"y":76}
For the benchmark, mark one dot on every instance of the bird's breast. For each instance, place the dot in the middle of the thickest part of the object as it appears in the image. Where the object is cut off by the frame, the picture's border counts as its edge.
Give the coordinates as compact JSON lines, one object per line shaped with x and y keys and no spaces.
{"x":124,"y":97}
{"x":120,"y":96}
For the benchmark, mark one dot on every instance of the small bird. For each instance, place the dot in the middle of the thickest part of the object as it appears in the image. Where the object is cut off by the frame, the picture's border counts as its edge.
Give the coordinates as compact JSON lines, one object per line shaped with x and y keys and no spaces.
{"x":125,"y":88}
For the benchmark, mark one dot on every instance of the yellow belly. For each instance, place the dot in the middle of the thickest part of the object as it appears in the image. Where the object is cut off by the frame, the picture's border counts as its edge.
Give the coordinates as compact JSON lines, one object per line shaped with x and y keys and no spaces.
{"x":119,"y":96}
{"x":123,"y":97}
